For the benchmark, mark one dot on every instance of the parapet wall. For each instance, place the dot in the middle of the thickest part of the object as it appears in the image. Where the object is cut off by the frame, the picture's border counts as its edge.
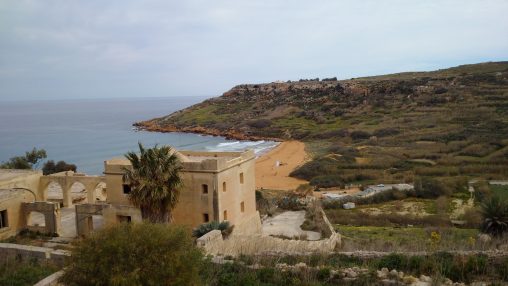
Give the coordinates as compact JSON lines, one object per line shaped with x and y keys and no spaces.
{"x":238,"y":243}
{"x":10,"y":251}
{"x":214,"y":161}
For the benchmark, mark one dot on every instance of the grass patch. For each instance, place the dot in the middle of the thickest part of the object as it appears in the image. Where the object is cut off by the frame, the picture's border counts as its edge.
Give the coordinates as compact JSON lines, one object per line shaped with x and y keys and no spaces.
{"x":500,"y":191}
{"x":378,"y":238}
{"x":17,"y":273}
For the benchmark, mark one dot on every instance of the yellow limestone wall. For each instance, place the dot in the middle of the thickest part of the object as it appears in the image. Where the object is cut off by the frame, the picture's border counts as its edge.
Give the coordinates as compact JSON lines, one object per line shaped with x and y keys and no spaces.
{"x":11,"y":200}
{"x":210,"y":168}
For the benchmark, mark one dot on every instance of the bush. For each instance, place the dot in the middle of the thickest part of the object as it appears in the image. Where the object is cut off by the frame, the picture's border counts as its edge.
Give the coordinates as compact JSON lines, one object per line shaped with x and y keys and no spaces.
{"x":482,"y":191}
{"x":135,"y":254}
{"x":327,"y":181}
{"x":209,"y":226}
{"x":291,"y":202}
{"x":61,"y":166}
{"x":431,"y":188}
{"x":260,"y":123}
{"x":360,"y":135}
{"x":495,"y":216}
{"x":316,"y":167}
{"x":29,"y":161}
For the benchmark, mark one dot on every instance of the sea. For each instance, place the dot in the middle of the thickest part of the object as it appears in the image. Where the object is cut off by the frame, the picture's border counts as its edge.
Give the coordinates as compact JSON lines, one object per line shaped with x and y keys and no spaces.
{"x":86,"y":132}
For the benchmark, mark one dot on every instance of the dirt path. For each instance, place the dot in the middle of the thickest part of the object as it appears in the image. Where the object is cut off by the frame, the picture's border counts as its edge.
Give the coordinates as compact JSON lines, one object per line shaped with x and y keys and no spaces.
{"x":270,"y":175}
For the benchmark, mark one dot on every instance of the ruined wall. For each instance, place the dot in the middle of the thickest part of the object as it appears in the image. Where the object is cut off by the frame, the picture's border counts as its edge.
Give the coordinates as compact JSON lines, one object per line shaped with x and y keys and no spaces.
{"x":116,"y":213}
{"x":11,"y":201}
{"x":243,"y":243}
{"x":27,"y":179}
{"x":9,"y":251}
{"x":52,"y":216}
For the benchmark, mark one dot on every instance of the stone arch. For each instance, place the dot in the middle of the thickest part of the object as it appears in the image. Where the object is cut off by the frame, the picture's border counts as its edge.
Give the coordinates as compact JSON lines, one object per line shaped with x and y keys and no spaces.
{"x":53,"y":192}
{"x":78,"y":192}
{"x":99,"y":191}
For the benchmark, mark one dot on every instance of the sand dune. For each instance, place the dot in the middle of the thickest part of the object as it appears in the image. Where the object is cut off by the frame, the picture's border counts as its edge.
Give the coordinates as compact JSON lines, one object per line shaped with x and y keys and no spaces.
{"x":289,"y":154}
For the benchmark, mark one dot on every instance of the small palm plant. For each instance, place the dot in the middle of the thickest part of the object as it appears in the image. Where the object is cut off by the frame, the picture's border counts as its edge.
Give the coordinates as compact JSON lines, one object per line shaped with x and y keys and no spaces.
{"x":155,"y":182}
{"x":495,"y":216}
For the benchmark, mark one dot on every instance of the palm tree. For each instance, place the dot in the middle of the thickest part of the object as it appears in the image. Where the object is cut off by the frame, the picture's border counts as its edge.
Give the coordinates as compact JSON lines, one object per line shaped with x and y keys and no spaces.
{"x":495,"y":216}
{"x":155,"y":182}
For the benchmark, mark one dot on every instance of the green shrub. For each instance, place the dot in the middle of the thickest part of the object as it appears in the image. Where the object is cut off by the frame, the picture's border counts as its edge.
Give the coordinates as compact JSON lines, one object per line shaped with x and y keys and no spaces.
{"x":209,"y":226}
{"x":327,"y":181}
{"x":360,"y":135}
{"x":291,"y":202}
{"x":393,"y":261}
{"x":135,"y":254}
{"x":495,"y":216}
{"x":316,"y":167}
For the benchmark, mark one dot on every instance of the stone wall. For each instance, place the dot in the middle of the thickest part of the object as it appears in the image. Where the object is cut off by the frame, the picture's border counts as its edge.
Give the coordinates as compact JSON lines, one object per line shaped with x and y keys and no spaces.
{"x":249,"y":226}
{"x":239,"y":243}
{"x":10,"y":251}
{"x":51,"y":280}
{"x":52,"y":217}
{"x":10,"y":204}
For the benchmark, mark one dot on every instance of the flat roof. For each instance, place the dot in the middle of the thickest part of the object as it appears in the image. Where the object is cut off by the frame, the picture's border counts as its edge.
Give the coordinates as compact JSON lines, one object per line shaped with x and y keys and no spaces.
{"x":7,"y":174}
{"x":187,"y":156}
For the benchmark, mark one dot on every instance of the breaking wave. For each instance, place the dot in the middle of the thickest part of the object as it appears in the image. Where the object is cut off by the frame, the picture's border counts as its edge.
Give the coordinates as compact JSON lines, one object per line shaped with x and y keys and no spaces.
{"x":259,"y":147}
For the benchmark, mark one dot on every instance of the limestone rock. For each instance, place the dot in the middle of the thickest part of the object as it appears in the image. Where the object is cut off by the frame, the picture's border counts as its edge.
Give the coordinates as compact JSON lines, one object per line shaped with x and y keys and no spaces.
{"x":425,"y":278}
{"x":410,"y":280}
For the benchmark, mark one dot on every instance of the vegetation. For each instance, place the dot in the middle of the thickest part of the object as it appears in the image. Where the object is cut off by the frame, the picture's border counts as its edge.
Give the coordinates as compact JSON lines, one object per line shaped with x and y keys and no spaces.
{"x":50,"y":167}
{"x":495,"y":216}
{"x":426,"y":188}
{"x":30,"y":160}
{"x":205,"y":228}
{"x":499,"y":190}
{"x":24,"y":273}
{"x":417,"y":238}
{"x":155,"y":181}
{"x":390,"y":128}
{"x":321,"y":269}
{"x":135,"y":254}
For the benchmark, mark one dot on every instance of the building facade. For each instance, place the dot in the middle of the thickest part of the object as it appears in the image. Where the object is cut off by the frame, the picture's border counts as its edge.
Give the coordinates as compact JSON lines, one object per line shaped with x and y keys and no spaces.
{"x":217,"y":186}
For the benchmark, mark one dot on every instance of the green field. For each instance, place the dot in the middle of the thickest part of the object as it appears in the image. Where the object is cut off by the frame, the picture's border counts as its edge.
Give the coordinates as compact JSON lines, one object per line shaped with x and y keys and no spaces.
{"x":406,"y":238}
{"x":500,"y":190}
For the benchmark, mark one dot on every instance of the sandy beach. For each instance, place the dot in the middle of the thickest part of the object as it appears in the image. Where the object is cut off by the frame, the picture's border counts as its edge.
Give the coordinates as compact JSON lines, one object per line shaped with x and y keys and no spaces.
{"x":270,"y":175}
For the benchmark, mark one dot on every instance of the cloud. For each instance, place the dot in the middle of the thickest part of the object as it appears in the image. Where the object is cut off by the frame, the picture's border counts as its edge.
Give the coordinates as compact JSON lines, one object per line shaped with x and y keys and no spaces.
{"x":61,"y":49}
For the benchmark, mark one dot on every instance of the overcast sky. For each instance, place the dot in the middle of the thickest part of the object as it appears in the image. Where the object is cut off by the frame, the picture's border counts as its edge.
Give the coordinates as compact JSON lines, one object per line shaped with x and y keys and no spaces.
{"x":105,"y":49}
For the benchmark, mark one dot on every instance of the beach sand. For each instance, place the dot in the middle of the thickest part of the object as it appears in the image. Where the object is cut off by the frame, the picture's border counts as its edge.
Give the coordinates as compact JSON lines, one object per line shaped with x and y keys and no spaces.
{"x":289,"y":154}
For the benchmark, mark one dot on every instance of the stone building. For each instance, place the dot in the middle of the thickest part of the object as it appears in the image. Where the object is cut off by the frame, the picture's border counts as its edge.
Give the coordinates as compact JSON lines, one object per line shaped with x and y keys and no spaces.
{"x":217,"y":186}
{"x":15,"y":188}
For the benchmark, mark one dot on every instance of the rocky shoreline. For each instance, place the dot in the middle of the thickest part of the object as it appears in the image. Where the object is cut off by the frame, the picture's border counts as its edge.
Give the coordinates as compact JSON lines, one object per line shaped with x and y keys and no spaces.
{"x":151,"y":126}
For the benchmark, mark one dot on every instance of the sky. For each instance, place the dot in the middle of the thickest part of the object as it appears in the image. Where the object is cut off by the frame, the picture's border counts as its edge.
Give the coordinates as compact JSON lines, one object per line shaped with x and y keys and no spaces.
{"x":64,"y":49}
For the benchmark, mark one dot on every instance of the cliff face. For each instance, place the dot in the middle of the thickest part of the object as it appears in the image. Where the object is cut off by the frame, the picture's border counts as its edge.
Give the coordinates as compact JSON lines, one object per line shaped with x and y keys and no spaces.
{"x":463,"y":101}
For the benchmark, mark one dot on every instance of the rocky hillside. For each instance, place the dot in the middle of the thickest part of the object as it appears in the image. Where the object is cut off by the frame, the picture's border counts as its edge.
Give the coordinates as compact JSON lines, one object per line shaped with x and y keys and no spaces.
{"x":462,"y":101}
{"x":454,"y":115}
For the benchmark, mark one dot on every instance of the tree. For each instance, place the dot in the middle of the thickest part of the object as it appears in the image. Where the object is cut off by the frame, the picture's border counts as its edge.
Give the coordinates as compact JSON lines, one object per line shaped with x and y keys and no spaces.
{"x":155,"y":181}
{"x":135,"y":254}
{"x":31,"y":160}
{"x":495,"y":216}
{"x":50,"y":167}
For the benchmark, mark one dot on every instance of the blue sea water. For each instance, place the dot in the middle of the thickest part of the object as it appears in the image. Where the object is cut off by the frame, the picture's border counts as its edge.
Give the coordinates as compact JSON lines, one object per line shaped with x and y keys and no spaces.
{"x":87,"y":132}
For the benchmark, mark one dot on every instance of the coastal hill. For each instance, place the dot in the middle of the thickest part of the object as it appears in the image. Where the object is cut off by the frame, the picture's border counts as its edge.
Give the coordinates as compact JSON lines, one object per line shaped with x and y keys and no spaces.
{"x":390,"y":126}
